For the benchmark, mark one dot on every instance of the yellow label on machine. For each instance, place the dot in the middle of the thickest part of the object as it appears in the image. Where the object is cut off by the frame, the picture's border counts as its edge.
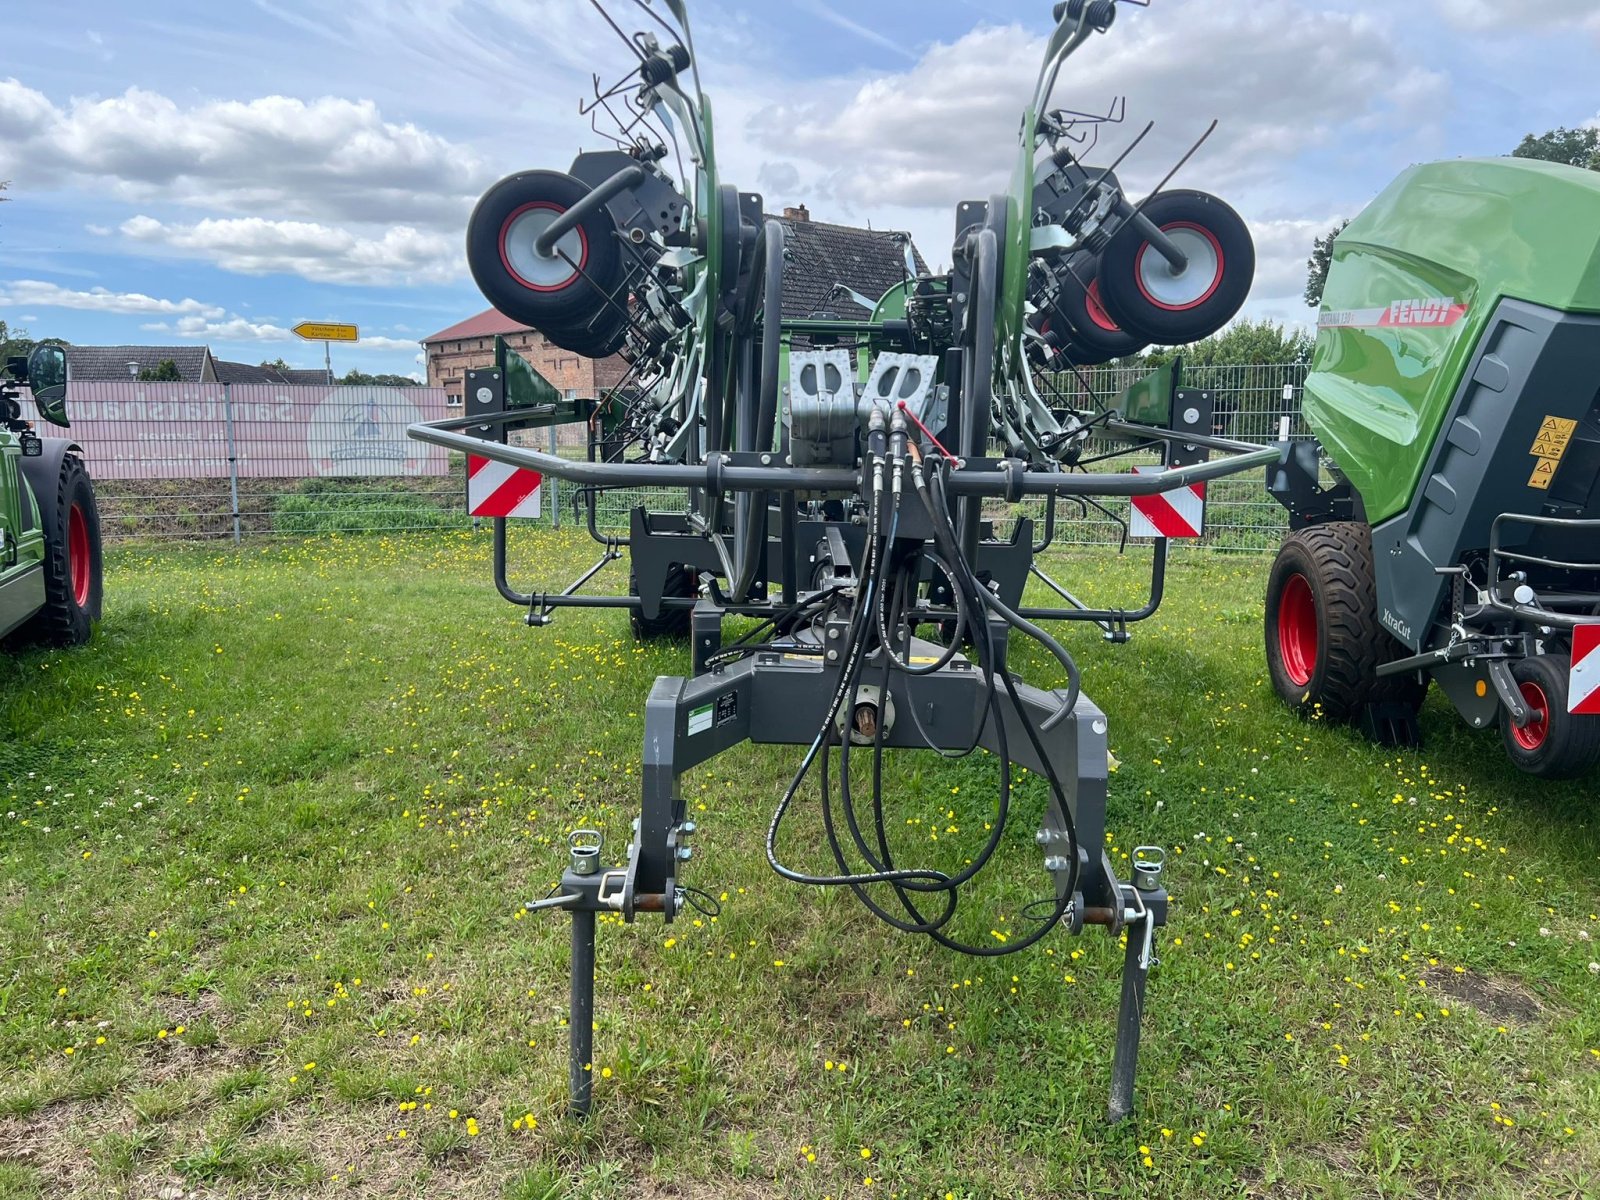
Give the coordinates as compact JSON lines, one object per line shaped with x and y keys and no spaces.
{"x":1549,"y":447}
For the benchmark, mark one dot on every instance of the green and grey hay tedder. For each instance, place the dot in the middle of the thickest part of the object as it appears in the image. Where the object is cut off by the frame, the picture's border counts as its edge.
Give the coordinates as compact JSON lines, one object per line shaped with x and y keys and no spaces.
{"x":834,"y":476}
{"x":1446,"y":515}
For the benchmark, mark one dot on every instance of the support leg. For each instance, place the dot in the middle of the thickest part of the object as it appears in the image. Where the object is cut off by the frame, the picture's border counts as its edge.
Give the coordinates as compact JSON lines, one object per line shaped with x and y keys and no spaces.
{"x":580,"y":1065}
{"x":1125,"y":1058}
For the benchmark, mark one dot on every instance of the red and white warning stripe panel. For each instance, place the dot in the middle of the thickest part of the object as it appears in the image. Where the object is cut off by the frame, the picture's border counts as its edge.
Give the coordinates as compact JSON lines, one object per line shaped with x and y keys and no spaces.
{"x":1583,"y":687}
{"x":1180,"y":513}
{"x":496,"y":489}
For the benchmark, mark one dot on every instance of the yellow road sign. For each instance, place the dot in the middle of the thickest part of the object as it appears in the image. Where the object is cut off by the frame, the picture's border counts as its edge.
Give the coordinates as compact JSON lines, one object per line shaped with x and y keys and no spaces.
{"x":325,"y":331}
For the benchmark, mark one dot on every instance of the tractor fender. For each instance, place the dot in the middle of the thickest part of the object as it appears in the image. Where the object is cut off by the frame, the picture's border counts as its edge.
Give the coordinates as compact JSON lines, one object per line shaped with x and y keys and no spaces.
{"x":42,"y":474}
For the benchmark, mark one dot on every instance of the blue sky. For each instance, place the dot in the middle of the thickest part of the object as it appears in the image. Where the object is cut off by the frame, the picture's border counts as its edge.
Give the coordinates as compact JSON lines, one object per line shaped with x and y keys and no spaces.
{"x":188,"y":172}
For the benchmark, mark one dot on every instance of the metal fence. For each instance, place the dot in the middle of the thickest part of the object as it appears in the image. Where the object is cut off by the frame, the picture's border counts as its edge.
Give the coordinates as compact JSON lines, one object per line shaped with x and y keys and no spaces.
{"x":175,"y":461}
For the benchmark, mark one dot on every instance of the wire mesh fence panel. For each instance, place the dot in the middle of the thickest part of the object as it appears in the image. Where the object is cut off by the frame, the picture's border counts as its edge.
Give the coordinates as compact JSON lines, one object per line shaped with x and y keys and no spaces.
{"x":199,"y":461}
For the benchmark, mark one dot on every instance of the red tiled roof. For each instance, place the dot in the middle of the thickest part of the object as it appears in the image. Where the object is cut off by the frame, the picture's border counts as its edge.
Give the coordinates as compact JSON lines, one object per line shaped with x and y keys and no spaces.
{"x":486,"y":324}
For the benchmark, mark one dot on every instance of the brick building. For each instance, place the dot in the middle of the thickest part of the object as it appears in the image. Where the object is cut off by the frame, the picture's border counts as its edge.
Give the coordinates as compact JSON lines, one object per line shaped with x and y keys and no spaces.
{"x":818,"y":257}
{"x":470,"y":344}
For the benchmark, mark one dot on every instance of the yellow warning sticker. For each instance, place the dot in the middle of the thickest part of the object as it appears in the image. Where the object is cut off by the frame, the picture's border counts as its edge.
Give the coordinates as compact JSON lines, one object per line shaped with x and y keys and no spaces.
{"x":1549,"y":447}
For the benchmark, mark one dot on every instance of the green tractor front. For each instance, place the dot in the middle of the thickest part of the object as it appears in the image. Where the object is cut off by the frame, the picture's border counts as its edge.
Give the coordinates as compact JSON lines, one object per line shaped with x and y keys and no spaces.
{"x":49,"y":528}
{"x":1445,"y":521}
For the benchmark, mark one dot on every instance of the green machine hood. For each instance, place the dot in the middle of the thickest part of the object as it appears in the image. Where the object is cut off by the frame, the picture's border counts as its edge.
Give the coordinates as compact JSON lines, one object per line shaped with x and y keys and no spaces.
{"x":1414,"y":281}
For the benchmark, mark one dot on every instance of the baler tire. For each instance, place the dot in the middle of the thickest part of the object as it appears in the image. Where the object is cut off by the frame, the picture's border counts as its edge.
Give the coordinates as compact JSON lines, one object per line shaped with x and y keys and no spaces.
{"x":669,"y":622}
{"x":1323,"y":651}
{"x":72,"y":564}
{"x":1561,"y":745}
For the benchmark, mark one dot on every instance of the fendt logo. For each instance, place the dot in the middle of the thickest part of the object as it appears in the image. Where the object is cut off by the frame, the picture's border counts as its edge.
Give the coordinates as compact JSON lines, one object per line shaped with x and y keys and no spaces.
{"x":1438,"y":312}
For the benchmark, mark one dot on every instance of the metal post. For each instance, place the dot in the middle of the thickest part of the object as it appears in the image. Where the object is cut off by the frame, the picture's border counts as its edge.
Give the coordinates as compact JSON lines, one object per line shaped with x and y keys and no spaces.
{"x":580,"y":1054}
{"x":554,"y":488}
{"x":233,"y":461}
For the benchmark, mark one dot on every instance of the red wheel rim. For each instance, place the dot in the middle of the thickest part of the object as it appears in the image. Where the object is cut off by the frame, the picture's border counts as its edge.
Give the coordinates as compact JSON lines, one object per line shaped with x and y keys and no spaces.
{"x":1096,"y":309}
{"x":1138,"y":268}
{"x":505,"y":259}
{"x":78,"y":565}
{"x":1297,"y":630}
{"x":1532,"y":735}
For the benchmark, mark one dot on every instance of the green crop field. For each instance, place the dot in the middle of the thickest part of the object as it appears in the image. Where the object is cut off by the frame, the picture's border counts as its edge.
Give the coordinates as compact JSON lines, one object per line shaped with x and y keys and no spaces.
{"x":265,"y":844}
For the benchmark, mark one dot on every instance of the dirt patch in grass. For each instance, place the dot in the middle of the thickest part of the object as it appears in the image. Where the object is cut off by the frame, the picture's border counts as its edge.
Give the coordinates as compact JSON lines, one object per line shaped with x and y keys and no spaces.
{"x":1499,"y":998}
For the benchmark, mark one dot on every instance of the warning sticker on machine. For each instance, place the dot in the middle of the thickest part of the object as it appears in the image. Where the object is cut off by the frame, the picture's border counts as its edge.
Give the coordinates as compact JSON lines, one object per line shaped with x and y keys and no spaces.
{"x":1549,"y":447}
{"x":700,"y":719}
{"x":708,"y":716}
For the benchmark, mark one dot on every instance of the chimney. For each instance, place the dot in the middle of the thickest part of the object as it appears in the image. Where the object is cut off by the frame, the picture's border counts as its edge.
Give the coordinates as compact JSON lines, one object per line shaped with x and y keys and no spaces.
{"x":798,"y":214}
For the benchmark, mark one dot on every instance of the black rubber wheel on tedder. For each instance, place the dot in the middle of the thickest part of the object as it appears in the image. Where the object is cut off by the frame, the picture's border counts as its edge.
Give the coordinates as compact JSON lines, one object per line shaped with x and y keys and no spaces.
{"x":1078,"y":324}
{"x":72,"y":566}
{"x":1555,"y":744}
{"x":1144,"y":297}
{"x":1323,"y":639}
{"x":669,"y":622}
{"x":539,"y":289}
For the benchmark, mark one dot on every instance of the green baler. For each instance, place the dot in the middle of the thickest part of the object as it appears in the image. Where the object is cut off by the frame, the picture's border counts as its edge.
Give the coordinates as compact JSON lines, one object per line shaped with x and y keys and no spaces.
{"x":1445,"y":520}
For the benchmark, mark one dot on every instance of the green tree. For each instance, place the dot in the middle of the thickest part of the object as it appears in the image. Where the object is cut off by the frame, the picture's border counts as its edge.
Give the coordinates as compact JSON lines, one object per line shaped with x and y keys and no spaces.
{"x":1575,"y":147}
{"x":1244,"y":343}
{"x":1319,"y":262}
{"x":362,"y":379}
{"x":166,"y":371}
{"x":14,"y":342}
{"x":277,"y":364}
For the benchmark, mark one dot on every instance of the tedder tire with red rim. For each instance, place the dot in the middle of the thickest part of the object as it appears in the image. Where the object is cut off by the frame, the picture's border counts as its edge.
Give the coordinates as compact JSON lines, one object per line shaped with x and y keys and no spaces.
{"x":72,"y":568}
{"x":1324,"y":642}
{"x":560,"y":290}
{"x":1149,"y":302}
{"x":1078,"y":324}
{"x":1555,"y":744}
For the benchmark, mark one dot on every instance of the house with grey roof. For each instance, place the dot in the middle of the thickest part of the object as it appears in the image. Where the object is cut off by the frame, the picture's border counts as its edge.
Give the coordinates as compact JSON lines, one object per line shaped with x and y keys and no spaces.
{"x":196,"y":364}
{"x":104,"y":364}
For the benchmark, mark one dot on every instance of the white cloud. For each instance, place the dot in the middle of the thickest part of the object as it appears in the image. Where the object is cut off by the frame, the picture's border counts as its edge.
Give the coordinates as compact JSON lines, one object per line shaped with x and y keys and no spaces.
{"x":1479,"y":15}
{"x":1282,"y":249}
{"x":946,"y":129}
{"x":327,"y":158}
{"x":51,"y":295}
{"x":321,"y":253}
{"x":379,"y":342}
{"x":230,"y":329}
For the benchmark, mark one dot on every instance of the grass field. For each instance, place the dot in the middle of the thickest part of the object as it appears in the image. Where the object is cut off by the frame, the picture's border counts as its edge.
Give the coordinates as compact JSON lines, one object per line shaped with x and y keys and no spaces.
{"x":265,"y":844}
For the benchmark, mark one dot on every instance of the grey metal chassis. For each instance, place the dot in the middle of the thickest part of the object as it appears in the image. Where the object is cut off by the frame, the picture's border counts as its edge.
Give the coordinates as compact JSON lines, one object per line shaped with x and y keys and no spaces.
{"x":774,"y":698}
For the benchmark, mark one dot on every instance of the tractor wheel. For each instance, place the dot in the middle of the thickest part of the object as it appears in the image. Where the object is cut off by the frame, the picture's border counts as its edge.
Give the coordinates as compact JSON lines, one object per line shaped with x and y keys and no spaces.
{"x":562,"y":289}
{"x":72,"y":568}
{"x":1144,"y":297}
{"x":669,"y":622}
{"x":1323,"y":638}
{"x":1555,"y":744}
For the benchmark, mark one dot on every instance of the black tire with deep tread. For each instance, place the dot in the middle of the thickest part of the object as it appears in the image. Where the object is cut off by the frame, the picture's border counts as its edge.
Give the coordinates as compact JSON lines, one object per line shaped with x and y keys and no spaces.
{"x":1572,"y":745}
{"x":63,"y":621}
{"x":1336,"y":560}
{"x":669,"y":622}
